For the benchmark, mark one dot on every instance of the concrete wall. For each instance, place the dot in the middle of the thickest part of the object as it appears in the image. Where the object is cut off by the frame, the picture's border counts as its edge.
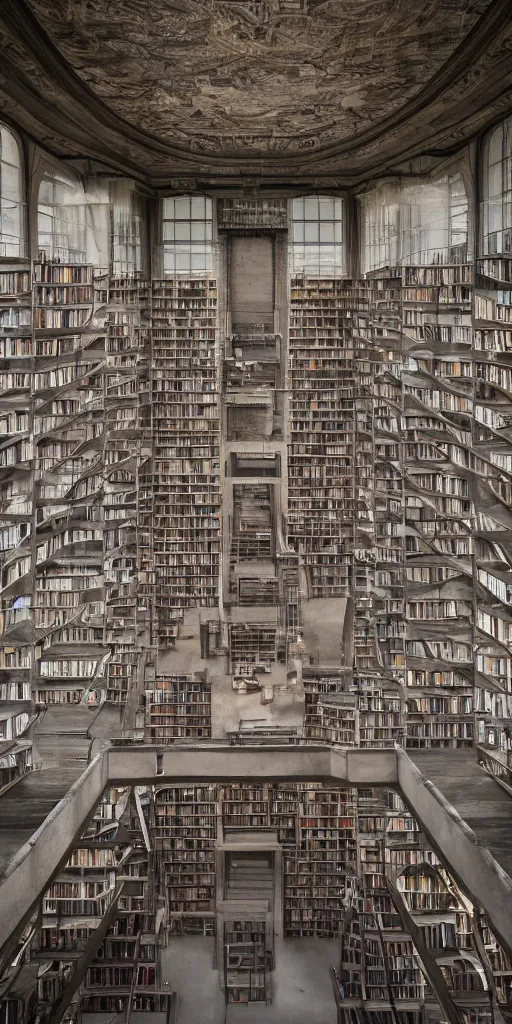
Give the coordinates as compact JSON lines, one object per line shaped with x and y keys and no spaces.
{"x":323,"y":621}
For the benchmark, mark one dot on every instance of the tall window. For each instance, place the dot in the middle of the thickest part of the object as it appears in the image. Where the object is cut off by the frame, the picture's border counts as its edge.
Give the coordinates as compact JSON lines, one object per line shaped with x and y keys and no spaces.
{"x":497,"y":191}
{"x":414,"y":224}
{"x":61,"y":211}
{"x":458,"y":219}
{"x":380,"y":228}
{"x":187,"y":236}
{"x":317,"y":243}
{"x":12,"y":241}
{"x":126,"y":229}
{"x":434,"y":222}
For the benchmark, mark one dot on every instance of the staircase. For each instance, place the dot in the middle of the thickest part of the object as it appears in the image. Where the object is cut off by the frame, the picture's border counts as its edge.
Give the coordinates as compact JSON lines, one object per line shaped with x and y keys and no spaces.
{"x":62,"y":746}
{"x":250,"y":876}
{"x":61,"y":737}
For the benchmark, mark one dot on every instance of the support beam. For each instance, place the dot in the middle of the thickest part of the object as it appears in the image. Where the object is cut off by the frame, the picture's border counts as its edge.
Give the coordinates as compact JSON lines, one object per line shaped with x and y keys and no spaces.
{"x":429,"y":966}
{"x":32,"y":869}
{"x":209,"y":762}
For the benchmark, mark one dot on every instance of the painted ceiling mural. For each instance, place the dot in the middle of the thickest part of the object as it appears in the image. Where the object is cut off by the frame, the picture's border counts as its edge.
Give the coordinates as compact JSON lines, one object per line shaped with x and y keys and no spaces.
{"x":262,"y":76}
{"x":191,"y":94}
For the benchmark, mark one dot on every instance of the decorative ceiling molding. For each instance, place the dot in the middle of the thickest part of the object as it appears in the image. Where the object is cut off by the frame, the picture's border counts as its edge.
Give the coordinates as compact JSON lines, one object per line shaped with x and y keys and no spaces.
{"x":281,"y":91}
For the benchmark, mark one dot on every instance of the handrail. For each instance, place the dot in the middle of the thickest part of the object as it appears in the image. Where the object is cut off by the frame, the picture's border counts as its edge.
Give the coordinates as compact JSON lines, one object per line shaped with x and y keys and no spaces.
{"x":492,"y":764}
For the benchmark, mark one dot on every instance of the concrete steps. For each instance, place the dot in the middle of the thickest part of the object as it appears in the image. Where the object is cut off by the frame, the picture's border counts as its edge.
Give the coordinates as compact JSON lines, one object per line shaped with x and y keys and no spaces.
{"x":26,"y":805}
{"x":62,"y":743}
{"x":61,"y":736}
{"x":251,"y":910}
{"x":249,"y":877}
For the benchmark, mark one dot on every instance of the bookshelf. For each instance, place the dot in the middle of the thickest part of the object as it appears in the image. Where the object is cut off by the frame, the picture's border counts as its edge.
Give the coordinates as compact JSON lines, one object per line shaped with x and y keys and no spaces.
{"x":321,"y":430}
{"x":186,"y":469}
{"x":333,"y":719}
{"x":315,"y":869}
{"x":384,"y":966}
{"x":185,"y":836}
{"x":245,"y":961}
{"x":63,"y":295}
{"x":16,"y":513}
{"x":250,"y":214}
{"x":126,"y":610}
{"x":130,"y":943}
{"x":109,"y":877}
{"x":179,"y":707}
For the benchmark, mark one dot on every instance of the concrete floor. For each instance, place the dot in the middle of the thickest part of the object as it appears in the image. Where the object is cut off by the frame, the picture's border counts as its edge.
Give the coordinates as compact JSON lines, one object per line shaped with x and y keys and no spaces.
{"x":301,"y":985}
{"x":228,"y":707}
{"x":187,"y":965}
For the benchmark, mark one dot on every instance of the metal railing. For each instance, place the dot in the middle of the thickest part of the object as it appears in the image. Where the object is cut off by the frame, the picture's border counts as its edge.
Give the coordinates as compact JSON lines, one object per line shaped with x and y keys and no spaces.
{"x":496,"y":767}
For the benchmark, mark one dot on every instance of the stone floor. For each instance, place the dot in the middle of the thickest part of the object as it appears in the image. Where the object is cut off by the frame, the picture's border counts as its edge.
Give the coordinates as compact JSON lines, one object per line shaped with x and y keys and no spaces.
{"x":301,"y":986}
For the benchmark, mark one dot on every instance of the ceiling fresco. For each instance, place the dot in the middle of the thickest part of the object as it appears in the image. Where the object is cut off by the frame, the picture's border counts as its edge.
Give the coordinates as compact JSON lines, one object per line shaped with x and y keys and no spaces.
{"x":267,"y":76}
{"x":267,"y":87}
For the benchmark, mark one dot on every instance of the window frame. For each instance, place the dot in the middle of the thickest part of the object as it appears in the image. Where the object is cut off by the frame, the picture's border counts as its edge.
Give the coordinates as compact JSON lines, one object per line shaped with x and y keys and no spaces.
{"x":501,"y":200}
{"x":53,"y":176}
{"x":19,"y":201}
{"x":304,"y":222}
{"x":182,"y":251}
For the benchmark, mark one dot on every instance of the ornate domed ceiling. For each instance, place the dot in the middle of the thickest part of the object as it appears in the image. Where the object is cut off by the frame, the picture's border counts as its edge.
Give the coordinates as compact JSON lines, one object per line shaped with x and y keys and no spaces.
{"x":267,"y":87}
{"x":264,"y":76}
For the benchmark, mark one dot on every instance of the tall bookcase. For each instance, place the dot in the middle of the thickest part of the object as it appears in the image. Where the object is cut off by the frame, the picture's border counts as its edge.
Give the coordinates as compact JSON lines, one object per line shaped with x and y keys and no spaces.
{"x":16,"y":508}
{"x":185,"y":417}
{"x":125,"y":450}
{"x":68,"y":437}
{"x":321,"y":431}
{"x":185,"y":836}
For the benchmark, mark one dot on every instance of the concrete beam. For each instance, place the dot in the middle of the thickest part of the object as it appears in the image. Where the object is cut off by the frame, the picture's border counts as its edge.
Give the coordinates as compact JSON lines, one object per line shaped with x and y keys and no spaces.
{"x":430,"y":968}
{"x":366,"y":767}
{"x":36,"y":863}
{"x":217,"y":763}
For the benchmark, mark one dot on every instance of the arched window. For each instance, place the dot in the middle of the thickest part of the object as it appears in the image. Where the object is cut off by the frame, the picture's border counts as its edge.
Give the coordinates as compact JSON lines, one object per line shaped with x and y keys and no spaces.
{"x":12,"y":241}
{"x":187,"y":236}
{"x":316,"y":248}
{"x":497,"y":191}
